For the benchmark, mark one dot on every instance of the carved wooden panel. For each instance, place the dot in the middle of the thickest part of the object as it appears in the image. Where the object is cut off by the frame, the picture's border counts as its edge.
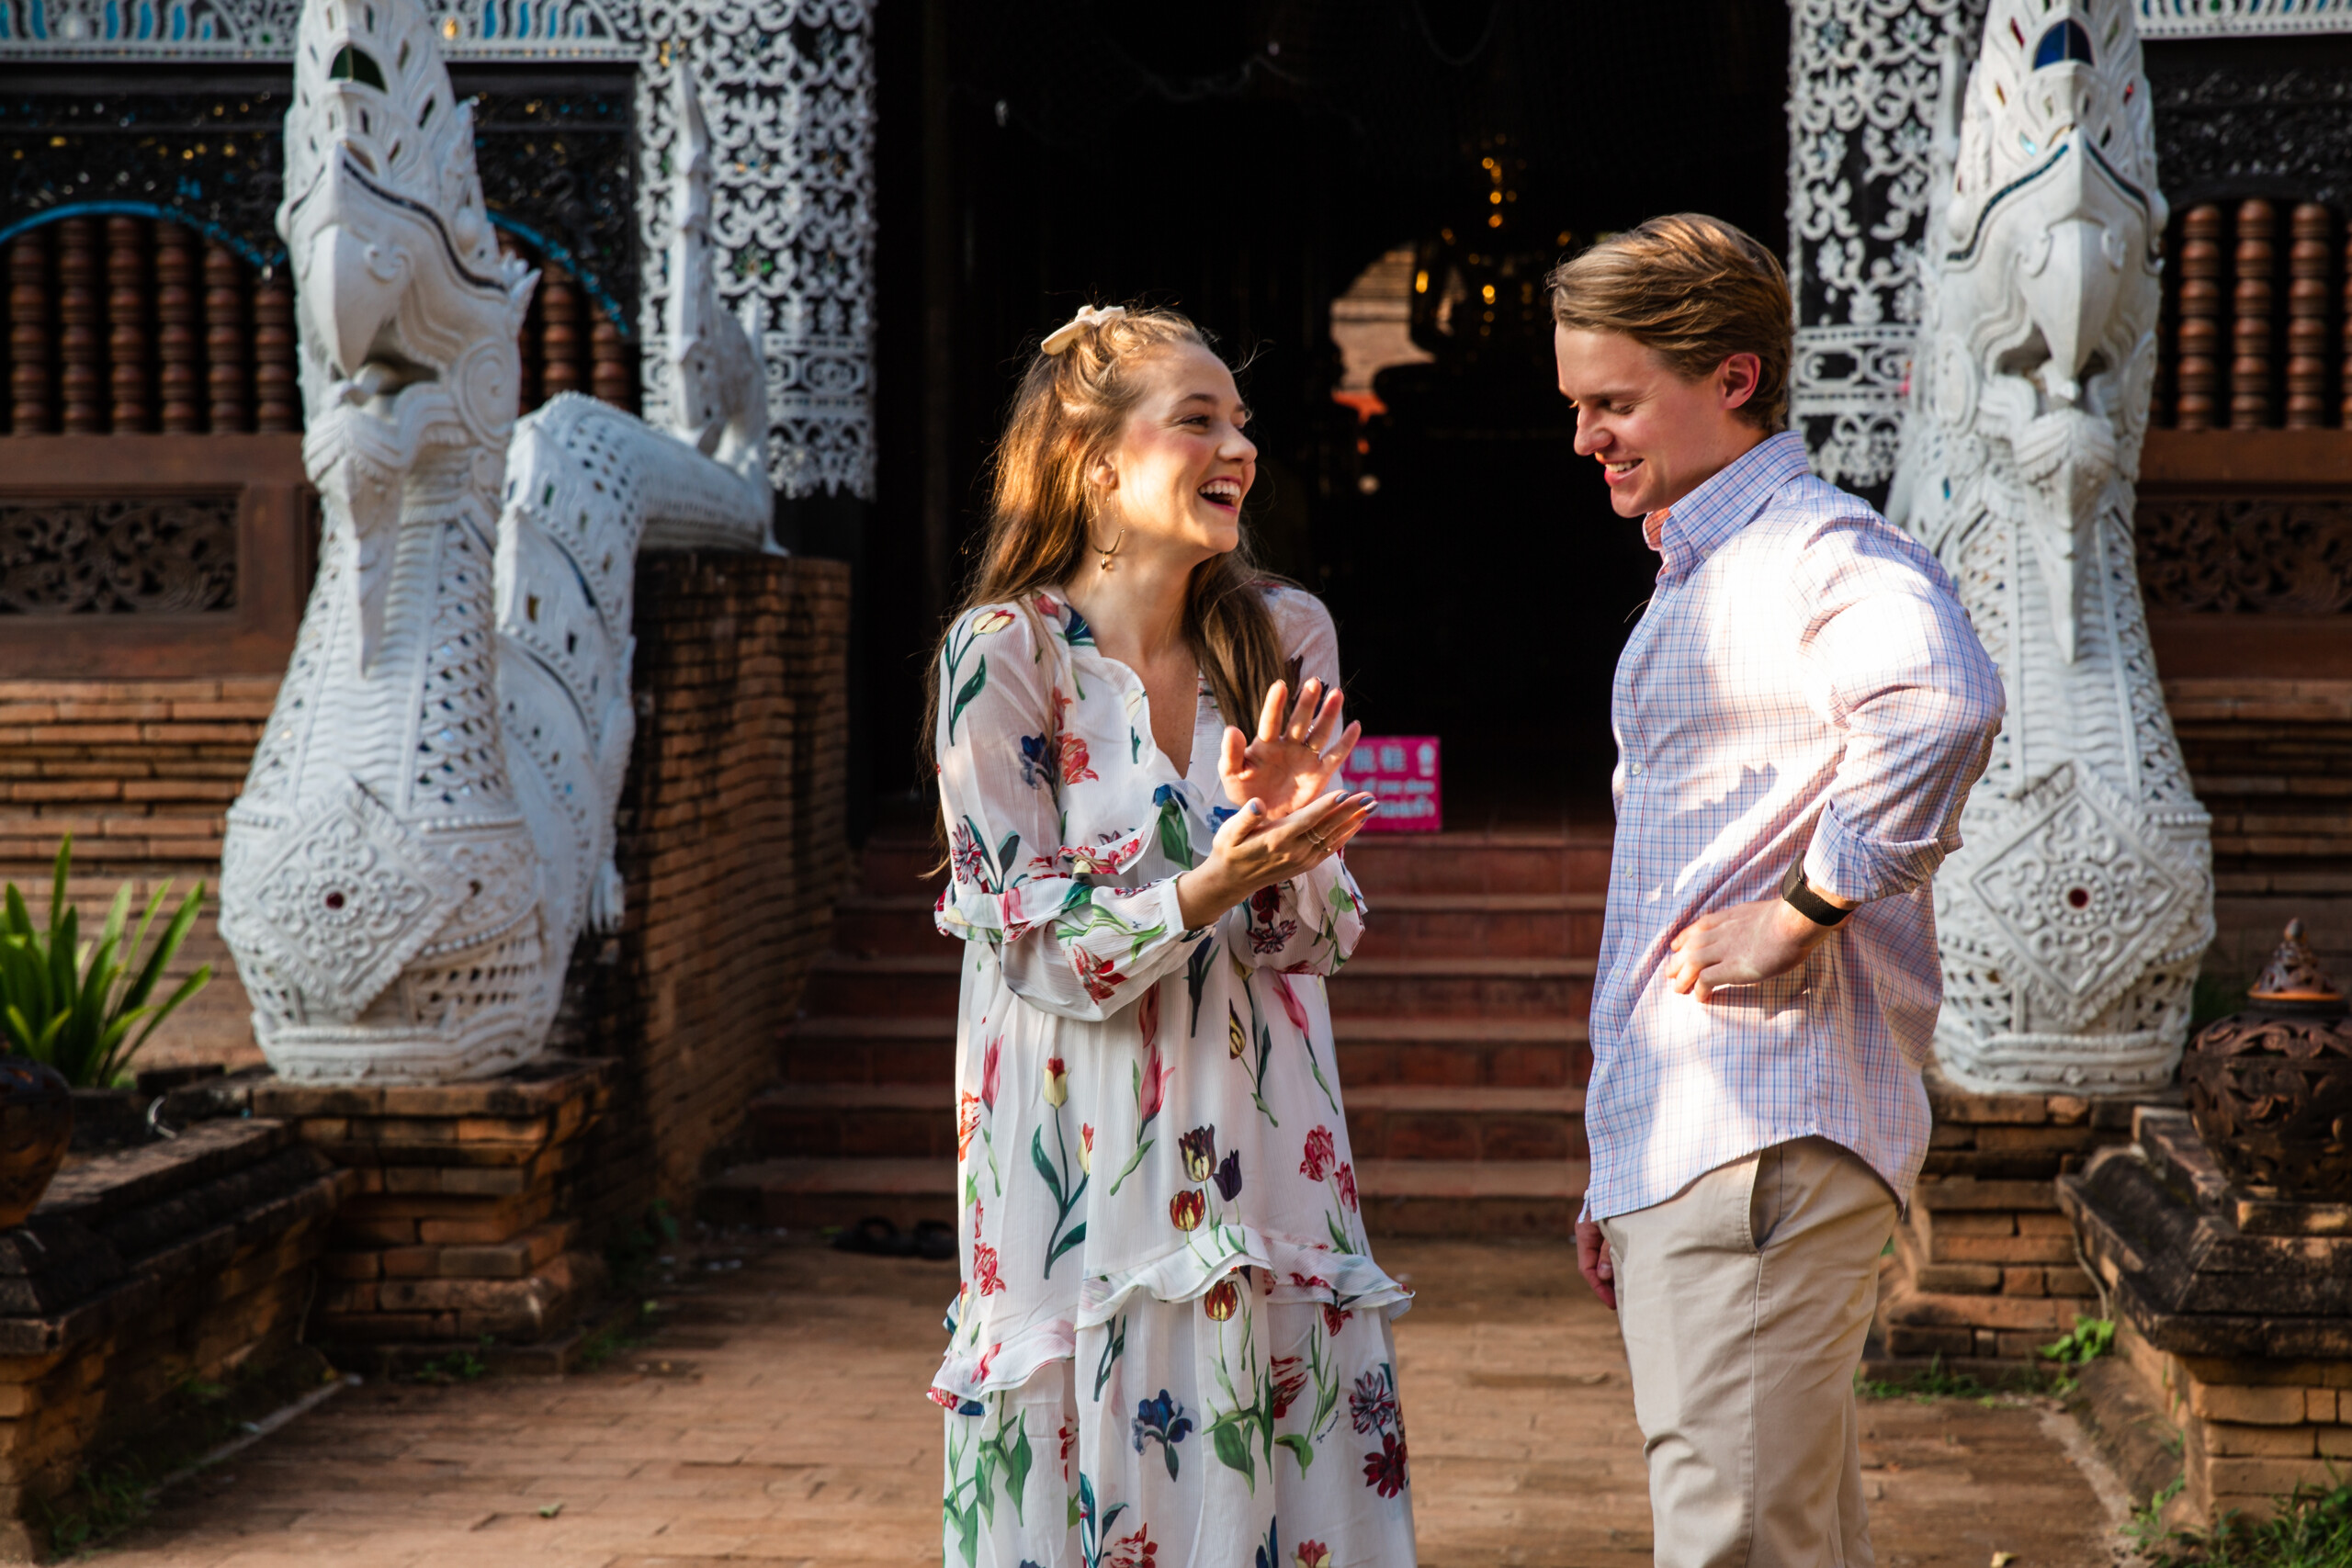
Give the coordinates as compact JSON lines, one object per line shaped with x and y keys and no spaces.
{"x":171,"y":556}
{"x":132,"y":556}
{"x":2243,"y":553}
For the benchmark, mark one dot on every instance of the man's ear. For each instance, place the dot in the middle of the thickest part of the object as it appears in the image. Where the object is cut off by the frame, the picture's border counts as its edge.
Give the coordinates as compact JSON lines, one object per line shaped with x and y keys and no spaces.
{"x":1737,"y":379}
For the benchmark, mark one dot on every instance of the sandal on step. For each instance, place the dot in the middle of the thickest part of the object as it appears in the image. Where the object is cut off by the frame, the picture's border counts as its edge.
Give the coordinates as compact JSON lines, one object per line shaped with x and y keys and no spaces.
{"x":877,"y":1236}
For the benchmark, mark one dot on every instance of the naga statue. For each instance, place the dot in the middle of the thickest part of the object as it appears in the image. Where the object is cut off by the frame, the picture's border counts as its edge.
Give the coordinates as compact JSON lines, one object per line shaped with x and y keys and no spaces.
{"x":427,"y":818}
{"x":2072,"y":922}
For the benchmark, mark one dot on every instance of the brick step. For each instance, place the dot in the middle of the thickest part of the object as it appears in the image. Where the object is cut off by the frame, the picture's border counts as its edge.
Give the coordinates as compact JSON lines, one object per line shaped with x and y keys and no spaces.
{"x":1521,"y":1052}
{"x":912,"y":985}
{"x":1428,"y":925}
{"x":896,"y":867}
{"x":1482,"y":987}
{"x":808,"y":1194}
{"x":871,"y":1121}
{"x":875,"y":1048}
{"x":1400,"y":1197}
{"x":1503,"y":1053}
{"x":1413,"y":1121}
{"x":1479,"y":862}
{"x":1384,"y":863}
{"x":1468,"y":925}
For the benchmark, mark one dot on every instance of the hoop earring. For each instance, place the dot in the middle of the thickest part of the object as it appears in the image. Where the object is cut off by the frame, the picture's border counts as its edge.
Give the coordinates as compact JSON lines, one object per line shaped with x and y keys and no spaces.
{"x":1106,"y":555}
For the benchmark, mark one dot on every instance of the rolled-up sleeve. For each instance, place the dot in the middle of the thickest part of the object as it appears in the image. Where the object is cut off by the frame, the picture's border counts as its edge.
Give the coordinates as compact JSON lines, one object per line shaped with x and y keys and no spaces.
{"x":1070,"y":941}
{"x":1890,"y":658}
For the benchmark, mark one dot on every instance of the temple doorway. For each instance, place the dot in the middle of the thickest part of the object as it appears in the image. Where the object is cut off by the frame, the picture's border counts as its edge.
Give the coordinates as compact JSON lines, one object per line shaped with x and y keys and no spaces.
{"x":1360,"y":201}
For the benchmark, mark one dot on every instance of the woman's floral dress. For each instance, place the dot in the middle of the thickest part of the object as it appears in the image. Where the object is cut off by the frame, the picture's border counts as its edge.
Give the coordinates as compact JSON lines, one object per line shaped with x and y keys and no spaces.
{"x":1172,"y":1344}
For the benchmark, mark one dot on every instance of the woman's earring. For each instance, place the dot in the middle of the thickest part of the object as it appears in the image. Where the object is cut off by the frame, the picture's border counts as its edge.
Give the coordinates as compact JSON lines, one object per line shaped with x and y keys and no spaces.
{"x":1114,"y":550}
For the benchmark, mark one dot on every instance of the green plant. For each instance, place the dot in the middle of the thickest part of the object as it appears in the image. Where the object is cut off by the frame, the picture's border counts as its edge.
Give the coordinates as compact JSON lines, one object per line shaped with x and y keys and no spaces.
{"x":63,"y":1003}
{"x":457,"y":1366}
{"x":103,"y":1503}
{"x":2090,"y":1339}
{"x":1936,"y":1382}
{"x":2313,"y":1528}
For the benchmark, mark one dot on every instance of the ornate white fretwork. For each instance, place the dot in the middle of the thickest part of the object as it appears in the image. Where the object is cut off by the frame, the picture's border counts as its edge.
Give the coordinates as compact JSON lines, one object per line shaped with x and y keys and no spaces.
{"x":2242,"y":19}
{"x":788,"y":87}
{"x":428,"y":818}
{"x":1862,"y":78}
{"x":2073,"y":919}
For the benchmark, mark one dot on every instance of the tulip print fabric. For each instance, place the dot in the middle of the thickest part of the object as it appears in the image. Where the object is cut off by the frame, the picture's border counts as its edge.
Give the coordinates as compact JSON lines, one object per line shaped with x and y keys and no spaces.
{"x":1172,"y":1344}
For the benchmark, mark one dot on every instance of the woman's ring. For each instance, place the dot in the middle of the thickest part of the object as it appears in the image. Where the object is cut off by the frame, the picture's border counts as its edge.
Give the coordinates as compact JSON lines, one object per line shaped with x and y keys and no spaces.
{"x":1318,"y":840}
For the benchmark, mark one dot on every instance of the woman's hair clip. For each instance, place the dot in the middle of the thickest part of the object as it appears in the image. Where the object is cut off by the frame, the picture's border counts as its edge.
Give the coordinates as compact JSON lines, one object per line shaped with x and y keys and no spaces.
{"x":1061,"y":337}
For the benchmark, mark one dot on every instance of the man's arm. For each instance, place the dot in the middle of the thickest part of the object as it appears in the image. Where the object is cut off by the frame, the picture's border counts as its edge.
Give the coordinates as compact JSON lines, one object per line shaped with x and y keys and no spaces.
{"x":1889,"y":658}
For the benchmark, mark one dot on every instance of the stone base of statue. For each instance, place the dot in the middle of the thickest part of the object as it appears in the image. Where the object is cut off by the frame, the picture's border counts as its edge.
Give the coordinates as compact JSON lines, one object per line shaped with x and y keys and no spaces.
{"x":464,"y":1231}
{"x":2233,"y":1316}
{"x":1984,"y":1270}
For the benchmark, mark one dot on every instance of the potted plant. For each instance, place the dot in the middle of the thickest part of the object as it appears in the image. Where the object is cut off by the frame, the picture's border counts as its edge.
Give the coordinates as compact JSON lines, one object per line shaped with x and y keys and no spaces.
{"x":69,"y":1006}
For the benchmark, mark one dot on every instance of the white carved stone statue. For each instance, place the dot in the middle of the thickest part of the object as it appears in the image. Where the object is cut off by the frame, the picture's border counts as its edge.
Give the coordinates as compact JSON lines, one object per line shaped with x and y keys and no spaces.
{"x":2073,"y":921}
{"x":423,"y":829}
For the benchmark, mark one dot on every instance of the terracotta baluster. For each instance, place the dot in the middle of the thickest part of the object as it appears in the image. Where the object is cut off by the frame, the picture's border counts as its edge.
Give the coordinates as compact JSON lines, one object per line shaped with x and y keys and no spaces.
{"x":2250,"y":312}
{"x":179,"y":383}
{"x":127,"y":341}
{"x":228,"y":407}
{"x":2198,"y":377}
{"x":275,"y":404}
{"x":2344,"y":382}
{"x":2307,"y":291}
{"x":29,"y":313}
{"x":615,"y":376}
{"x":561,"y":362}
{"x":81,"y":354}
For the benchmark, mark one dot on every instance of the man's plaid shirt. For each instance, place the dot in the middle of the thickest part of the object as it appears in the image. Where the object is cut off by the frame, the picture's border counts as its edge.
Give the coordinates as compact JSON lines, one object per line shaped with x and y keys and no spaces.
{"x":1803,"y":683}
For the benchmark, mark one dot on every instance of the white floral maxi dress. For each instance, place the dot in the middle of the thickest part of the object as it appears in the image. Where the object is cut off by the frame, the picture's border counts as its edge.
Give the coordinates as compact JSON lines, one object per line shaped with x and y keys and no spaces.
{"x":1171,"y":1346}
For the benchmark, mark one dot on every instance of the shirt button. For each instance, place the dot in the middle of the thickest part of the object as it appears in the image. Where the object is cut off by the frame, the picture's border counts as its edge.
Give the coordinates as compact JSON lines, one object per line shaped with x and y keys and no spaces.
{"x":1637,"y":767}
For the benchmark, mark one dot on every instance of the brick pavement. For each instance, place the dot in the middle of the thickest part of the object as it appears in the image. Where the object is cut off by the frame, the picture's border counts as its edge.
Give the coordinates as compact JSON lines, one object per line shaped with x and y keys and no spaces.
{"x":778,"y":1422}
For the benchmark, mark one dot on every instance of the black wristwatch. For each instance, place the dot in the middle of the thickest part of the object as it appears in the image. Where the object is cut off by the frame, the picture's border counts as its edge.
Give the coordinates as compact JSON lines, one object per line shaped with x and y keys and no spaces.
{"x":1811,"y":904}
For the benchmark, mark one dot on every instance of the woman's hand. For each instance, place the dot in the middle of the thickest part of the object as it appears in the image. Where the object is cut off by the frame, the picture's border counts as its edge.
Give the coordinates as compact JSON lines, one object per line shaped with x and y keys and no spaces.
{"x":1293,"y":756}
{"x":1253,"y":850}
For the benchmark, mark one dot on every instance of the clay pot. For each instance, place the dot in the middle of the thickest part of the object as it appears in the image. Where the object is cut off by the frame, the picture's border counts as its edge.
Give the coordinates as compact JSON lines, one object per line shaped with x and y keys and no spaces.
{"x":36,"y":1125}
{"x":2270,"y":1088}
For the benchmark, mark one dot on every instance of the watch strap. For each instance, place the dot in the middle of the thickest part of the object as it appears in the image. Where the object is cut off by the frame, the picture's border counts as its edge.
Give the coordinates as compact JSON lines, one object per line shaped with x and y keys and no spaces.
{"x":1799,"y":892}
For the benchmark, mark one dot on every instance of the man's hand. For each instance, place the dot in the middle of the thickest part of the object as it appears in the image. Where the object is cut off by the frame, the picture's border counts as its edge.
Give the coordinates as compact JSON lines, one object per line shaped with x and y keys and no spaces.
{"x":1592,"y":1262}
{"x":1743,"y":944}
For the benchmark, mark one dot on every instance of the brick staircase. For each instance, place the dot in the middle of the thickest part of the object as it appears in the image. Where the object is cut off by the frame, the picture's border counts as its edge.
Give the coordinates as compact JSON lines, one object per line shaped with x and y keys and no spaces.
{"x":1460,"y":1027}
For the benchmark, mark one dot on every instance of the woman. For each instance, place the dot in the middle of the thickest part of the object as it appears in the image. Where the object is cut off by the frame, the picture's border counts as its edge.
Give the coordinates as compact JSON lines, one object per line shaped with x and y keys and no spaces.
{"x":1172,"y":1345}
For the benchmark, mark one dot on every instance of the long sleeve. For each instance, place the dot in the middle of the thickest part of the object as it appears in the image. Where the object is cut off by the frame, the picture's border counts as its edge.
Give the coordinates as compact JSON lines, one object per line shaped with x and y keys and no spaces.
{"x":1070,"y":942}
{"x":1311,"y":923}
{"x":1890,"y":658}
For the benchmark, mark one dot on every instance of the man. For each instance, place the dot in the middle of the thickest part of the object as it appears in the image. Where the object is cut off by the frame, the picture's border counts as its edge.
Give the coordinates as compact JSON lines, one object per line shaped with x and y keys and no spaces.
{"x":1799,"y":715}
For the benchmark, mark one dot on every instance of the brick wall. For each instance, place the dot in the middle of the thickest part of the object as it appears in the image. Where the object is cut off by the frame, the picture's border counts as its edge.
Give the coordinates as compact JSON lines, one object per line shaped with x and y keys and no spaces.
{"x":733,"y":845}
{"x":141,"y":775}
{"x":2272,"y":760}
{"x":732,"y":842}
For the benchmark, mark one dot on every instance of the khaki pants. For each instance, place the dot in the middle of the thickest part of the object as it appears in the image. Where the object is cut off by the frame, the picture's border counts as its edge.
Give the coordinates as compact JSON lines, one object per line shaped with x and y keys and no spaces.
{"x":1744,"y":1301}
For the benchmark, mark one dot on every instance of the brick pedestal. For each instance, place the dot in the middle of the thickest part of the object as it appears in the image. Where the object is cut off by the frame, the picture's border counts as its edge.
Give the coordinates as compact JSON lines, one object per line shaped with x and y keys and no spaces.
{"x":144,"y":1277}
{"x":463,"y":1225}
{"x":2234,"y":1319}
{"x":1985,"y":1270}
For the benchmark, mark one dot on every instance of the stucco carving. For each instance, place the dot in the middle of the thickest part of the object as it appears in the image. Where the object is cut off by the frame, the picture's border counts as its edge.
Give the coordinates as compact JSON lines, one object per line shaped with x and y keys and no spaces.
{"x":2072,"y":919}
{"x":427,"y":818}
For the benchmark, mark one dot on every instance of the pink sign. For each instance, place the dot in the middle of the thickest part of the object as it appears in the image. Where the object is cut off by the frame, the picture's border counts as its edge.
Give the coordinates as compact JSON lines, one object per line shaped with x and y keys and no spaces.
{"x":1402,"y":770}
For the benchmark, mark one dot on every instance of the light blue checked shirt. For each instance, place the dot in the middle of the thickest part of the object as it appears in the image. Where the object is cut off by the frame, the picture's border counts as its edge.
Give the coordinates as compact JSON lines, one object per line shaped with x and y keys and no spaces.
{"x":1803,"y":683}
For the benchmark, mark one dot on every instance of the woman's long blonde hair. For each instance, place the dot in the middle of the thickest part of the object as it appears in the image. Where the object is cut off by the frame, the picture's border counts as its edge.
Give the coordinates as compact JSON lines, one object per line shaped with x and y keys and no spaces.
{"x":1070,"y":408}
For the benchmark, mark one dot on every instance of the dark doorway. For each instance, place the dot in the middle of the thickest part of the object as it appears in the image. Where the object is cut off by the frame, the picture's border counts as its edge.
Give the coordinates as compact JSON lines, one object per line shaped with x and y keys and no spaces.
{"x":1249,"y":163}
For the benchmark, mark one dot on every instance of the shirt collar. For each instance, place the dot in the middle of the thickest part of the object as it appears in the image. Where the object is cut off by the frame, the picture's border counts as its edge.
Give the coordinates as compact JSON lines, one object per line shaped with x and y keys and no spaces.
{"x":1688,"y":532}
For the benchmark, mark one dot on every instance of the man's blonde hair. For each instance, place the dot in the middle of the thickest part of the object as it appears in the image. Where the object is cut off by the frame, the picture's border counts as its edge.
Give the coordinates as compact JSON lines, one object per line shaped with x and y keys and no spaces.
{"x":1695,"y":290}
